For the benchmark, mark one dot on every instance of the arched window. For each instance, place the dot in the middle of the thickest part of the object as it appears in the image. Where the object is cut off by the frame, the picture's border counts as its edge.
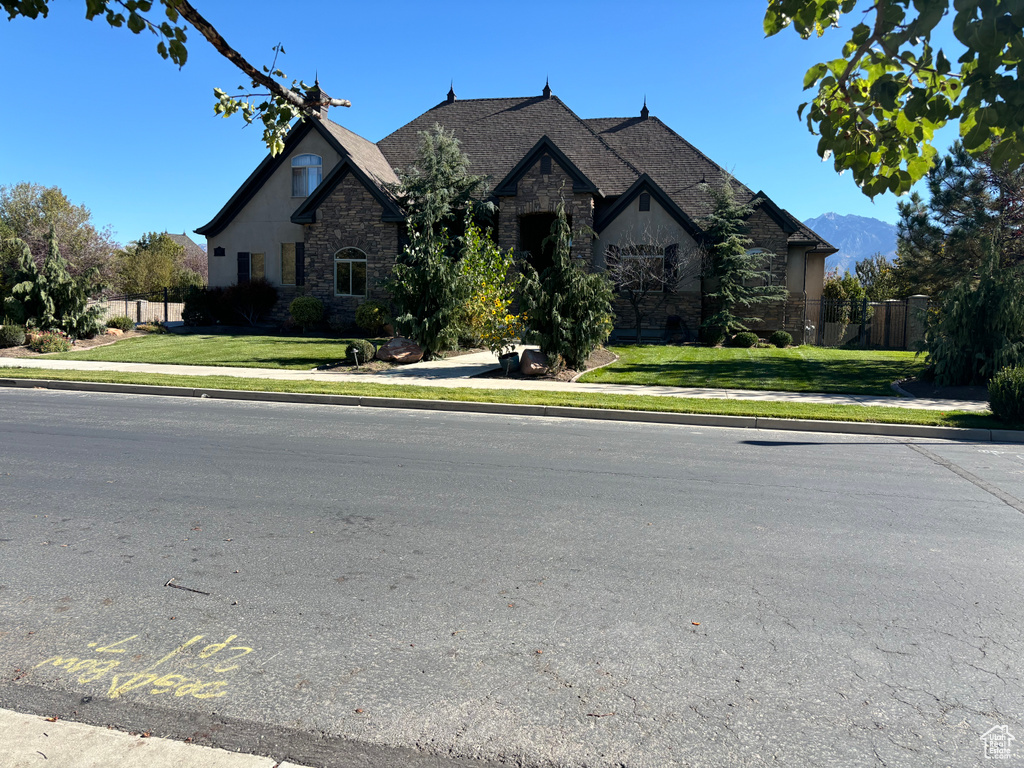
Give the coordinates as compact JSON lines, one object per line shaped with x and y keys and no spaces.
{"x":307,"y":171}
{"x":350,"y":272}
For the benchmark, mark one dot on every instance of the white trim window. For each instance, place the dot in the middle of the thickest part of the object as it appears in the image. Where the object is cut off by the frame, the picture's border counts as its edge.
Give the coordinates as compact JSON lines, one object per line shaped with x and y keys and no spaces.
{"x":307,"y":171}
{"x":350,"y":272}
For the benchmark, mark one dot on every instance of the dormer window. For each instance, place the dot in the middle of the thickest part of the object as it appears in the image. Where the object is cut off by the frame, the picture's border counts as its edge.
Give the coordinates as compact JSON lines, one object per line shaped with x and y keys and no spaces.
{"x":307,"y":171}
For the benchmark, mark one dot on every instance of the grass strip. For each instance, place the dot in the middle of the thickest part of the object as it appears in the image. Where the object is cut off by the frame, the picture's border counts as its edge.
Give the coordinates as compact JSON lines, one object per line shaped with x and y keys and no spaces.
{"x":782,"y":410}
{"x":300,"y":353}
{"x":794,"y":369}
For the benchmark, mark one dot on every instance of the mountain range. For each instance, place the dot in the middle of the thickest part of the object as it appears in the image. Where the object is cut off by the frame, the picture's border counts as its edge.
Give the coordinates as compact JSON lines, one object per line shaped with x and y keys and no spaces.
{"x":856,"y":237}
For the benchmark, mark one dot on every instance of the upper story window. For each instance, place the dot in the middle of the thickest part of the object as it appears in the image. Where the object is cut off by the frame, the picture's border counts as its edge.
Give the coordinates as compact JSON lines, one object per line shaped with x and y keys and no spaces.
{"x":545,"y":165}
{"x":645,"y":201}
{"x":307,"y":171}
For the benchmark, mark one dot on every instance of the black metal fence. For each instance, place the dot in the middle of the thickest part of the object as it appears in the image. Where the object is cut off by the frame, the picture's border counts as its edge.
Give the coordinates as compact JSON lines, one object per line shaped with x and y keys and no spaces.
{"x":162,"y":306}
{"x":865,"y":324}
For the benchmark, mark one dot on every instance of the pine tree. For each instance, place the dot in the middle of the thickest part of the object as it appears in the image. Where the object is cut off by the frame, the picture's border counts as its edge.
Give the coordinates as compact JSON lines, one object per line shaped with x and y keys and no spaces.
{"x":568,"y":311}
{"x":737,"y":278}
{"x":429,"y":291}
{"x":50,"y":298}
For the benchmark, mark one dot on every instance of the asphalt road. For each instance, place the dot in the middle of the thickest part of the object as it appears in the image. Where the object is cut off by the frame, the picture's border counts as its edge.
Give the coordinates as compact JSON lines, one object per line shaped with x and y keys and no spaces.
{"x":380,"y":587}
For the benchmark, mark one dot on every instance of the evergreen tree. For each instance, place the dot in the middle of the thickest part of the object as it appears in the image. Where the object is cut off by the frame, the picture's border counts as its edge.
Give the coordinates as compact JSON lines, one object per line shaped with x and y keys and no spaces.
{"x":568,"y":311}
{"x":429,"y":291}
{"x":50,"y":298}
{"x":737,"y":279}
{"x":972,"y":207}
{"x":979,"y":328}
{"x":438,"y":189}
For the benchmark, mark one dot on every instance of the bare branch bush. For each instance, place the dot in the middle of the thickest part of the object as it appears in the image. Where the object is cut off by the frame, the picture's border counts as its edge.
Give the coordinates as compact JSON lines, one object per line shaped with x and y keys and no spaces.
{"x":648,"y":266}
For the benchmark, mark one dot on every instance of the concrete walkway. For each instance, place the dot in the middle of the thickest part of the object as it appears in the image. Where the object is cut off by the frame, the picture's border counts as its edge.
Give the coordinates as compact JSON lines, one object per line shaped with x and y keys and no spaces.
{"x":26,"y":741}
{"x":459,"y":372}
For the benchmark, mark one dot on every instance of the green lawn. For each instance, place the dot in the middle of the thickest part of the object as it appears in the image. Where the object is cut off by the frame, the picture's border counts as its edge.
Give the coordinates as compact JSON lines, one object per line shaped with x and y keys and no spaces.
{"x":782,"y":410}
{"x":796,"y":369}
{"x":247,"y":351}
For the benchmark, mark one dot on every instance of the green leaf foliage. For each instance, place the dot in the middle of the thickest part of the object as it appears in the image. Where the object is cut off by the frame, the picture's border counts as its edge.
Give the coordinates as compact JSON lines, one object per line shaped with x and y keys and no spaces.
{"x":1006,"y":395}
{"x":876,"y":108}
{"x":568,"y":311}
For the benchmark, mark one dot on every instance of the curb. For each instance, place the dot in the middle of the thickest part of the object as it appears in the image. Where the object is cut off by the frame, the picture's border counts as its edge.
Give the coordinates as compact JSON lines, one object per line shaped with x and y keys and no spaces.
{"x":553,"y":411}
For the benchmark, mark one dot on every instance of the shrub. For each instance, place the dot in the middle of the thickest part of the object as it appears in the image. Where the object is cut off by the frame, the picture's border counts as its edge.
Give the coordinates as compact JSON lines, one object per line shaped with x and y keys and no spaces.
{"x":360,"y":351}
{"x":199,"y":305}
{"x":372,"y":316}
{"x":306,"y":311}
{"x":1006,"y":395}
{"x":251,"y":301}
{"x":980,"y":327}
{"x":745,"y":339}
{"x":339,"y":325}
{"x":121,"y":322}
{"x":780,"y":339}
{"x":151,"y":328}
{"x":11,"y":336}
{"x":711,"y":337}
{"x":50,"y":341}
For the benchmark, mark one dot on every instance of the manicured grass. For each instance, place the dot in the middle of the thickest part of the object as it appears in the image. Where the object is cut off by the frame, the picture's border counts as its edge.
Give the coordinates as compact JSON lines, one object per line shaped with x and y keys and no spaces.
{"x":884,"y":415}
{"x":247,"y":351}
{"x":796,"y":369}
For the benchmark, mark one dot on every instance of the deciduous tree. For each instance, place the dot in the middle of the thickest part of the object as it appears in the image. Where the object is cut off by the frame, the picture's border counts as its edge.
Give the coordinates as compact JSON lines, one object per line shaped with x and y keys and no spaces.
{"x":877,"y":106}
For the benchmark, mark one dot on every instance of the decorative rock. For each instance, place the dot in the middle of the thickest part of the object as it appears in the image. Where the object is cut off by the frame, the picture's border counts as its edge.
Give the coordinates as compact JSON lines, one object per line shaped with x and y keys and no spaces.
{"x":113,"y":332}
{"x":401,"y":351}
{"x":533,"y":362}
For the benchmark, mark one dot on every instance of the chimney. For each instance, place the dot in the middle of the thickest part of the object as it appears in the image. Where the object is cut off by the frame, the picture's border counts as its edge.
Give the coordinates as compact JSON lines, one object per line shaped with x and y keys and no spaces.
{"x":451,"y":93}
{"x":318,"y":100}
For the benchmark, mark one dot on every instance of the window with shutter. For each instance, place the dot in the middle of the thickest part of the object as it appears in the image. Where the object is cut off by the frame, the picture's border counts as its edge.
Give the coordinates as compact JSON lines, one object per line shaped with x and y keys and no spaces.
{"x":243,"y":267}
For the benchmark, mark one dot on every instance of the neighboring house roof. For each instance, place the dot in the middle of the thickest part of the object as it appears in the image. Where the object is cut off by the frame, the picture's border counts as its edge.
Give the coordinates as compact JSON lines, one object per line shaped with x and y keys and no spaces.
{"x":186,"y":242}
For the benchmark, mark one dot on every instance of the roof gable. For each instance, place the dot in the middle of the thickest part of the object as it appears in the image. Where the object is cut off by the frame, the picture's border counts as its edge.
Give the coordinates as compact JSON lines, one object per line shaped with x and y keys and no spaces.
{"x":580,"y":183}
{"x":352,"y":148}
{"x":306,"y":213}
{"x":255,"y":182}
{"x":646,"y":184}
{"x":496,"y":134}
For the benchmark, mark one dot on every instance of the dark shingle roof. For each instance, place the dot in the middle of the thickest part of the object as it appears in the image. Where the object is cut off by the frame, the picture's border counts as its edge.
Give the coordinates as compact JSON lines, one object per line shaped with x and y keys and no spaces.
{"x":497,"y":133}
{"x":675,"y":164}
{"x":363,"y":153}
{"x":186,"y":242}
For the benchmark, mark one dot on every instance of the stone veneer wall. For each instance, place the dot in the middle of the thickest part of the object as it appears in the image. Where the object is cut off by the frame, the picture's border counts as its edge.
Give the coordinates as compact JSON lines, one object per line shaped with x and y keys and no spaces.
{"x":349,"y":218}
{"x":540,"y":193}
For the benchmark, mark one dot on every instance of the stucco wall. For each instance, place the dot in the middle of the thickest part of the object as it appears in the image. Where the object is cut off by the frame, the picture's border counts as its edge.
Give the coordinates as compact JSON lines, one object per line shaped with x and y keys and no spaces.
{"x":265,"y":221}
{"x":656,"y":226}
{"x":815,"y":276}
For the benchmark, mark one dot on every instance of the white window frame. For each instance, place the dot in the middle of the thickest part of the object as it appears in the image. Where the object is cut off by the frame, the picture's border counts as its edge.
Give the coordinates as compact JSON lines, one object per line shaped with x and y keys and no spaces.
{"x":769,"y":256}
{"x":301,"y":170}
{"x":339,"y":259}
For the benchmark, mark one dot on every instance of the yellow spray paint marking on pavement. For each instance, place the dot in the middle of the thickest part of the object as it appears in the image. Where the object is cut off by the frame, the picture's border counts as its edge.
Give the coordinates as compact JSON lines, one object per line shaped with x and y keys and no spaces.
{"x":181,"y":680}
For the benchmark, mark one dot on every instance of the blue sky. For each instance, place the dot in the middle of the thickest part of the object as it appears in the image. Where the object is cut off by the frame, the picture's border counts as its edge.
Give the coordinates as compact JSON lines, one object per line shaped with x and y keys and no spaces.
{"x":96,"y":112}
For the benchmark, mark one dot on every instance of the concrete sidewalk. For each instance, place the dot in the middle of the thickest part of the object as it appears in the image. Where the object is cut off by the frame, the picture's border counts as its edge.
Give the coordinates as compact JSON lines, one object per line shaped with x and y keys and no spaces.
{"x":28,"y":741}
{"x":459,"y":372}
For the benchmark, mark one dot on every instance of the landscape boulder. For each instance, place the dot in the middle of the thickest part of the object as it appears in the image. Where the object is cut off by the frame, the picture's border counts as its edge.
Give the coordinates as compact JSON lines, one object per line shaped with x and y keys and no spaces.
{"x":533,"y":362}
{"x":401,"y":351}
{"x":113,"y":332}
